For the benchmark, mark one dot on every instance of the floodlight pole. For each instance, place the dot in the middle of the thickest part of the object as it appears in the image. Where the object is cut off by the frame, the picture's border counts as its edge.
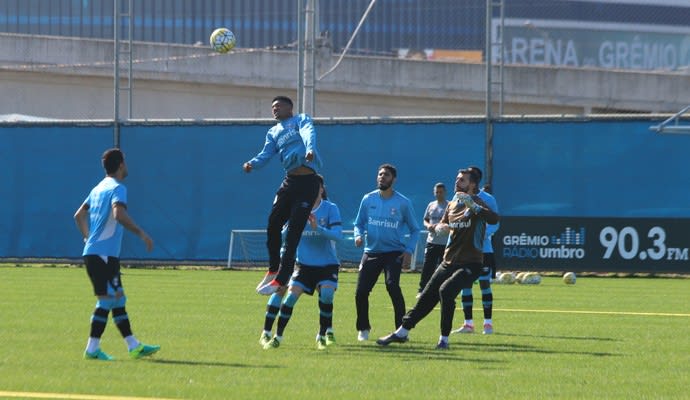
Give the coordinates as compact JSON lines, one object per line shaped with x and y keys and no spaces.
{"x":118,"y":16}
{"x":300,"y":55}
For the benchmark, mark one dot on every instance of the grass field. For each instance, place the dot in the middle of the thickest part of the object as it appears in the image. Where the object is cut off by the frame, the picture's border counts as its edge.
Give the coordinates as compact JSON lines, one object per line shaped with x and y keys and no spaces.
{"x":615,"y":338}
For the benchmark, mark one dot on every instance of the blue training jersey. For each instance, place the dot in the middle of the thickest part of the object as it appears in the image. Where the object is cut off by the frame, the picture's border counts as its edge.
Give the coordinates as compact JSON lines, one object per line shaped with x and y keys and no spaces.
{"x":317,"y":246}
{"x":292,"y":139}
{"x":105,"y":233}
{"x":385,"y":222}
{"x":490,"y":228}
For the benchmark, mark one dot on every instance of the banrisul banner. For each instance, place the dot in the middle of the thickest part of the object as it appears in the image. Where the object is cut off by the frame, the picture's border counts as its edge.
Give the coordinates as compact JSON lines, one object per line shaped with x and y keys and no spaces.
{"x":592,"y":44}
{"x":593,"y":244}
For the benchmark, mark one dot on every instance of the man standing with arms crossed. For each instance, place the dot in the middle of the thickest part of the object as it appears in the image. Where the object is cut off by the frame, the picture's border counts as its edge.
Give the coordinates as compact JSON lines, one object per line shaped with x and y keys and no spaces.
{"x":384,"y":216}
{"x":294,"y":138}
{"x":435,"y":242}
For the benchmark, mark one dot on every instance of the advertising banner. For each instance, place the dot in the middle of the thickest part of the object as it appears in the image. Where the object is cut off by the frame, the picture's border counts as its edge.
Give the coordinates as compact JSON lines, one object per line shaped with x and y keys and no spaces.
{"x":591,"y":44}
{"x":593,"y":244}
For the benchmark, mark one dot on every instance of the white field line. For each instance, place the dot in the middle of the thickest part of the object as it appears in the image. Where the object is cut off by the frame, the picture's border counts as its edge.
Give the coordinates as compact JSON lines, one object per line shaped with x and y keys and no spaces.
{"x":36,"y":395}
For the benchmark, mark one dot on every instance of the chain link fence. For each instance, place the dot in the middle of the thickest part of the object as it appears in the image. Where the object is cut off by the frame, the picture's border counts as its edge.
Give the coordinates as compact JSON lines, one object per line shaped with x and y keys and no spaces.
{"x":627,"y":35}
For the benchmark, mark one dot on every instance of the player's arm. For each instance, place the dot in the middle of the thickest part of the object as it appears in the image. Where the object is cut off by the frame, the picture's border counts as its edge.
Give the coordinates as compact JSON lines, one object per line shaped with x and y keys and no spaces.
{"x":360,"y":222}
{"x":269,"y":150}
{"x":478,"y":206}
{"x":122,"y":216}
{"x":334,"y":229}
{"x":308,"y":134}
{"x":427,"y":219}
{"x":413,"y":226}
{"x":442,"y":226}
{"x":81,"y":218}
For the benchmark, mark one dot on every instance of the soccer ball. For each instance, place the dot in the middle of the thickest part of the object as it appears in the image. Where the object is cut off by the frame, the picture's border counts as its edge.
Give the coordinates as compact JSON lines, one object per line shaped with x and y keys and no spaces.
{"x":569,"y":278}
{"x":506,"y":278}
{"x":531,"y":278}
{"x":222,"y":40}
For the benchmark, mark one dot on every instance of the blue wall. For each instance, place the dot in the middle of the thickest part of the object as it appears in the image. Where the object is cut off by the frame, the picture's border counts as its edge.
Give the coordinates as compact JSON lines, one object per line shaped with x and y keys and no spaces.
{"x":187,"y":189}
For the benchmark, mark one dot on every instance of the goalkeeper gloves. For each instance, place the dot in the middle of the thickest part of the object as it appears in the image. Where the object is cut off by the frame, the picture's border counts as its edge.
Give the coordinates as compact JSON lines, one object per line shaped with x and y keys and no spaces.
{"x":469,"y":203}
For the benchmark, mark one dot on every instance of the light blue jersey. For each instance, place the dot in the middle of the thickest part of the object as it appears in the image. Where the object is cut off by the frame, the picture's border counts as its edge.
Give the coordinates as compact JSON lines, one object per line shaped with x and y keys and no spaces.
{"x":292,"y":139}
{"x":385,"y":222}
{"x":317,"y":247}
{"x":105,"y":233}
{"x":490,"y":228}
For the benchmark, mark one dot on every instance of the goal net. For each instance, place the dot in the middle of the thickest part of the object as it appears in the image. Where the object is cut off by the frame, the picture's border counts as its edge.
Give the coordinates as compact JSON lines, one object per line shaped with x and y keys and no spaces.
{"x":247,"y":249}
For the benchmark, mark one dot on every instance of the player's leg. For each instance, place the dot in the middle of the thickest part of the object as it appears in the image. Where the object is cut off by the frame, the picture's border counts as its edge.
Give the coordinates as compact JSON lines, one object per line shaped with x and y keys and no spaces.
{"x":272,"y":309}
{"x":462,"y":277}
{"x":369,"y":271}
{"x":487,"y":293}
{"x":134,"y":346}
{"x":467,"y":302}
{"x":425,"y":304}
{"x":327,"y":286}
{"x":97,"y":271}
{"x":392,"y":269}
{"x":431,"y":261}
{"x":305,"y":190}
{"x":286,"y":308}
{"x":280,"y":212}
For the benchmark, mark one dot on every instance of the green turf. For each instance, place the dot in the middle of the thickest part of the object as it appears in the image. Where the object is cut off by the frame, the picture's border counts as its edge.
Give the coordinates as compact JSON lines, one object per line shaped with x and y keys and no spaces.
{"x":612,"y":338}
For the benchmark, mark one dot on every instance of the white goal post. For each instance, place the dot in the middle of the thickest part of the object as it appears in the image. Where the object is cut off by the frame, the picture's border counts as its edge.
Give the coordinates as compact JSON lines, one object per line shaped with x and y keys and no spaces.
{"x":247,"y":248}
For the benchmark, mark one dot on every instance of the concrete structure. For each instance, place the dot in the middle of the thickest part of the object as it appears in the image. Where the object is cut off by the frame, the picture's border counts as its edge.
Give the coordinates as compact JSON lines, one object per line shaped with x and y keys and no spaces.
{"x":73,"y":79}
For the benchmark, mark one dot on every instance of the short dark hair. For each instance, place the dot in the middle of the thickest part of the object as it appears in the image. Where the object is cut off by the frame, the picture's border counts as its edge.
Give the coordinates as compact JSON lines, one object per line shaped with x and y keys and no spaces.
{"x":282,"y":99}
{"x":112,"y":158}
{"x":440,"y":185}
{"x":474,"y":172}
{"x":390,"y":169}
{"x":319,"y":178}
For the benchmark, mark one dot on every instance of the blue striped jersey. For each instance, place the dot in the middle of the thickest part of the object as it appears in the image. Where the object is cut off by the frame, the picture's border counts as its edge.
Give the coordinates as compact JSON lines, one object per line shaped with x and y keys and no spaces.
{"x":317,"y":246}
{"x":105,"y":233}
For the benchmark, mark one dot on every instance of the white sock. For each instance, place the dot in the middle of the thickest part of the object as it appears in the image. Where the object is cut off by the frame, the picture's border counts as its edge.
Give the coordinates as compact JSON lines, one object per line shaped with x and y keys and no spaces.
{"x":93,"y":344}
{"x":267,"y":333}
{"x":469,"y":322}
{"x":132,"y":342}
{"x":402,"y":332}
{"x":279,"y":338}
{"x":443,"y":339}
{"x":487,"y":321}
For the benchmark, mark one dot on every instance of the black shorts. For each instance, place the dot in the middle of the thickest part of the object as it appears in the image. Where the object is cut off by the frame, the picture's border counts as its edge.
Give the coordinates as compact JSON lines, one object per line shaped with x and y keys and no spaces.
{"x":489,"y":267}
{"x":105,"y":277}
{"x":309,"y":278}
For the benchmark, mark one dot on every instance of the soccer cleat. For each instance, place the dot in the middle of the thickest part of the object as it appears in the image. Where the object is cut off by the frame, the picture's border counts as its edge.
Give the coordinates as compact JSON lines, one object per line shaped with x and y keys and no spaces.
{"x":321,"y":343}
{"x":392,"y":338}
{"x":466,"y":328}
{"x":98,"y":355}
{"x":267,"y":278}
{"x":265,"y":338}
{"x":330,"y":339}
{"x":143,"y":350}
{"x":363,"y":336}
{"x":442,"y":345}
{"x":269,"y":288}
{"x":488,"y":329}
{"x":272,"y":344}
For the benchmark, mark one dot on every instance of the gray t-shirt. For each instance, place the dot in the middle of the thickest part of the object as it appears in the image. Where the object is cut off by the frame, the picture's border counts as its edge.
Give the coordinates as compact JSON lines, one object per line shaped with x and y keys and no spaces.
{"x":434,"y":212}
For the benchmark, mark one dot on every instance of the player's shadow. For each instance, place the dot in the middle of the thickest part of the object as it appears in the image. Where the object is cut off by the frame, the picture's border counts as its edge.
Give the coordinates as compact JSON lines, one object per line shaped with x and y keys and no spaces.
{"x":210,"y":363}
{"x":428,"y":352}
{"x":415,"y":352}
{"x":602,"y":339}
